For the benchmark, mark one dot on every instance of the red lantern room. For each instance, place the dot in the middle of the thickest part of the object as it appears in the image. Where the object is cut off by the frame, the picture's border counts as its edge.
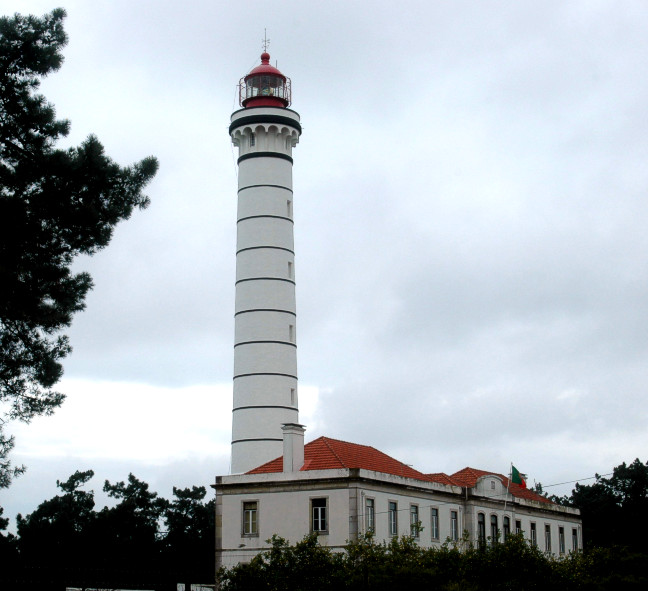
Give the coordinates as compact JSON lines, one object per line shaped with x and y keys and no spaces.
{"x":264,"y":86}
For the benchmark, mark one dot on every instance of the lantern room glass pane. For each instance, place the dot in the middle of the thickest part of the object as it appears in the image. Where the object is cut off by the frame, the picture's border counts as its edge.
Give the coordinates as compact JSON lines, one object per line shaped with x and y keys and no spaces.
{"x":265,"y":86}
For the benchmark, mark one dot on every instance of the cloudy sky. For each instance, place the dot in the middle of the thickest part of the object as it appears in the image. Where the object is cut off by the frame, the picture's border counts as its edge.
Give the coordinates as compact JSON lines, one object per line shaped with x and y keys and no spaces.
{"x":470,"y":208}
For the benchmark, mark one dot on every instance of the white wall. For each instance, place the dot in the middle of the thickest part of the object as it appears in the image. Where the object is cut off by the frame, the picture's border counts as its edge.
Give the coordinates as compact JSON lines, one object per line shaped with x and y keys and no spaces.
{"x":284,"y":509}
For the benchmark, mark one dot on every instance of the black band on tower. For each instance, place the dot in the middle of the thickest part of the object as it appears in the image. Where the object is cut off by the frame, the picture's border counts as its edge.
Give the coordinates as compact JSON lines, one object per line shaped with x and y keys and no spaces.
{"x":265,"y":373}
{"x":265,"y":279}
{"x":264,"y":406}
{"x":265,"y":310}
{"x":271,"y":247}
{"x":278,"y":217}
{"x":251,"y":119}
{"x":288,"y":343}
{"x":257,"y":439}
{"x":264,"y":155}
{"x":273,"y":186}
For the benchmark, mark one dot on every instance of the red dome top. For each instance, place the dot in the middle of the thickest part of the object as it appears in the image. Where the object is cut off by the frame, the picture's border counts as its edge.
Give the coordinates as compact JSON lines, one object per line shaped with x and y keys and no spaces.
{"x":265,"y":68}
{"x":264,"y":86}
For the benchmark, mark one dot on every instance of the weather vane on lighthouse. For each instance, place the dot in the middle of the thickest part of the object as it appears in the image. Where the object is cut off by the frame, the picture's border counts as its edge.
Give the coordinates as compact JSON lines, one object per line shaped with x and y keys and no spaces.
{"x":266,"y":41}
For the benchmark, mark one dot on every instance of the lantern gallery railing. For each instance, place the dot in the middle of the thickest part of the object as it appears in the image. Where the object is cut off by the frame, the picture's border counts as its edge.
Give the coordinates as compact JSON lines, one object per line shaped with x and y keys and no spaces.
{"x":262,"y":86}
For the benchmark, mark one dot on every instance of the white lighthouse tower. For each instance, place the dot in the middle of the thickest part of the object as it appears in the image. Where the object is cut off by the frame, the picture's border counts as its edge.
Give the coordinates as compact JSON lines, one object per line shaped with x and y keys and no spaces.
{"x":265,"y":131}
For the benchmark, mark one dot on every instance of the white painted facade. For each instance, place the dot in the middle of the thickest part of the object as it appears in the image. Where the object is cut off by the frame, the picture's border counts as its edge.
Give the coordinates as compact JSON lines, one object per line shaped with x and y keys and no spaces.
{"x":283,"y":505}
{"x":265,"y":345}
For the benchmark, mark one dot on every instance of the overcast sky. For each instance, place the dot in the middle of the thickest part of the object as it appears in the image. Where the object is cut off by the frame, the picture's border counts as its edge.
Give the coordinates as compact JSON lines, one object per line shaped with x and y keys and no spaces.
{"x":470,"y":228}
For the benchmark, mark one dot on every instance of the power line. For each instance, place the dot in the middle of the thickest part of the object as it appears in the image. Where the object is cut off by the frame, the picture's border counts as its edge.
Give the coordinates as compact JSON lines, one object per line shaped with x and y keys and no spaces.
{"x":577,"y":480}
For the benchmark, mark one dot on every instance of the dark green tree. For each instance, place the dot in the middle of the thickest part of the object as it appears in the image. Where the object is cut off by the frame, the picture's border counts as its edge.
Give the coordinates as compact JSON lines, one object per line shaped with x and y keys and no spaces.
{"x":305,"y":566}
{"x":135,"y":520}
{"x":190,"y":541}
{"x":54,"y":205}
{"x":7,"y":541}
{"x":58,"y":527}
{"x":128,"y":534}
{"x":55,"y":537}
{"x":615,"y":509}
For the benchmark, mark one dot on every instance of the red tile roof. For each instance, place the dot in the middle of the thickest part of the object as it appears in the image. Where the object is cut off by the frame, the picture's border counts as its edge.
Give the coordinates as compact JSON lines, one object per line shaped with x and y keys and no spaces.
{"x":325,"y":453}
{"x":441,"y":477}
{"x":328,"y":454}
{"x":469,"y":476}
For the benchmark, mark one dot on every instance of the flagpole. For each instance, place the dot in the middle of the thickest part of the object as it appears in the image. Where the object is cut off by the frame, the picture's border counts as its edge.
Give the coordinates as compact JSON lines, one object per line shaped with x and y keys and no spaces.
{"x":507,"y":485}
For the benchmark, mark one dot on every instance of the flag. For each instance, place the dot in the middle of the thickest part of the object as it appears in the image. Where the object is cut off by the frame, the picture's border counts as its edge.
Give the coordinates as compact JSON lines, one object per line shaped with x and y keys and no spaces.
{"x":517,"y":477}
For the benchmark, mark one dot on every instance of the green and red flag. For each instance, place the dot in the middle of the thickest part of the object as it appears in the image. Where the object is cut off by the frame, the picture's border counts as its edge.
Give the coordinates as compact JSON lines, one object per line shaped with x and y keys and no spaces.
{"x":517,"y":477}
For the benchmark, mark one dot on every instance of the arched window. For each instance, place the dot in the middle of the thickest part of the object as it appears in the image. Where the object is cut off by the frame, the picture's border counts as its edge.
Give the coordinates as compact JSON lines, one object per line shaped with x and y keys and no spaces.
{"x":494,"y":533}
{"x":481,"y":529}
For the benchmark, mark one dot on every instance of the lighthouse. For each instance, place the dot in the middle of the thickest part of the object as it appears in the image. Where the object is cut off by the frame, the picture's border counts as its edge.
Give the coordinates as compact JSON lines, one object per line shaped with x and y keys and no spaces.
{"x":265,"y":400}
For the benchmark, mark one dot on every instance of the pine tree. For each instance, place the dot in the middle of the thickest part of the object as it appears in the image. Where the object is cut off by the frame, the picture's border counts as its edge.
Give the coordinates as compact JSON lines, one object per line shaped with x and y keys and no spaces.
{"x":54,"y":205}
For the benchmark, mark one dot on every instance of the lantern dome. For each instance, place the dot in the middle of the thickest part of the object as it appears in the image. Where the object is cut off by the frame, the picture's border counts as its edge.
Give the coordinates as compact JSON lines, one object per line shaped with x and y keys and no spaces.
{"x":264,"y":86}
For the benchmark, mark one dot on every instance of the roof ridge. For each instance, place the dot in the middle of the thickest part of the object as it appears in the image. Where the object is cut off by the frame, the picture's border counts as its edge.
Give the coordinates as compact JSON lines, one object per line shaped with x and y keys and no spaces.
{"x":339,"y":459}
{"x":325,"y":438}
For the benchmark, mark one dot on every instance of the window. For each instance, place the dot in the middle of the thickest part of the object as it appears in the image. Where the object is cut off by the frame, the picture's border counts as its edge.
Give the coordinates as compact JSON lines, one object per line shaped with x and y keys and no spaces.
{"x":454,"y":525}
{"x":250,"y":518}
{"x":574,"y":539}
{"x":320,"y":519}
{"x":492,"y":484}
{"x":414,"y":521}
{"x":290,"y":271}
{"x":392,"y":515}
{"x":507,"y":527}
{"x":481,"y":529}
{"x":547,"y":538}
{"x":518,"y":526}
{"x":289,"y":208}
{"x":252,"y":140}
{"x":494,"y":534}
{"x":291,"y":333}
{"x":534,"y":535}
{"x":561,"y":540}
{"x":293,"y":397}
{"x":370,"y":515}
{"x":435,"y":523}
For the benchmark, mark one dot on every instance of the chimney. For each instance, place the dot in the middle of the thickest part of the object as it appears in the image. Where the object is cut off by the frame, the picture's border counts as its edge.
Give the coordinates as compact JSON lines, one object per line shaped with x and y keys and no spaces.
{"x":293,"y":446}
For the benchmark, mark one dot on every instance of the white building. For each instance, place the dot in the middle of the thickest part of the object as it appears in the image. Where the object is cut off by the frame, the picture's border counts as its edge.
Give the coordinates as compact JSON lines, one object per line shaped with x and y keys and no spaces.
{"x":345,"y":489}
{"x":337,"y":489}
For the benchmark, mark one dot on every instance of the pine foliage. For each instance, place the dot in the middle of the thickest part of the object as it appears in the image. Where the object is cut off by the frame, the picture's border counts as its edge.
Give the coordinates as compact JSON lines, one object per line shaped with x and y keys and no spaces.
{"x":54,"y":205}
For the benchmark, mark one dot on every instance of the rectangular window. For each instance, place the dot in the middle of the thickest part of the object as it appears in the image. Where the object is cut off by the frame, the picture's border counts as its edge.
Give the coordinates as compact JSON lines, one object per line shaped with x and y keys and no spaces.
{"x":518,"y":526}
{"x":534,"y":535}
{"x":454,"y":525}
{"x":370,"y":515}
{"x":252,"y":140}
{"x":435,"y":523}
{"x":250,"y":518}
{"x":290,"y":271}
{"x":547,"y":538}
{"x":414,"y":521}
{"x":320,"y":517}
{"x":392,"y":515}
{"x":293,"y":397}
{"x":289,"y":208}
{"x":561,"y":540}
{"x":574,"y":539}
{"x":291,"y":333}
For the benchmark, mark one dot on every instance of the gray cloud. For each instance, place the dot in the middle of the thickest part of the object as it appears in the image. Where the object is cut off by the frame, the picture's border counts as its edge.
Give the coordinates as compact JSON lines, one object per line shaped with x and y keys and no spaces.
{"x":470,"y":211}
